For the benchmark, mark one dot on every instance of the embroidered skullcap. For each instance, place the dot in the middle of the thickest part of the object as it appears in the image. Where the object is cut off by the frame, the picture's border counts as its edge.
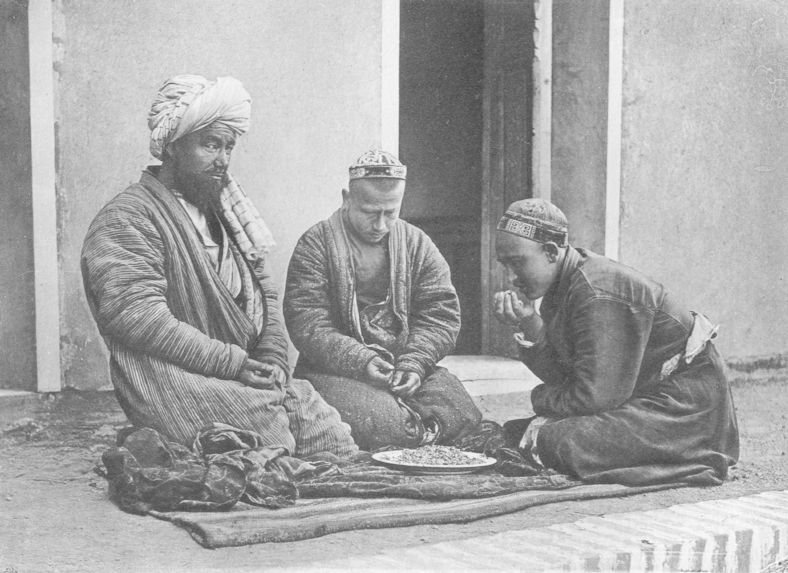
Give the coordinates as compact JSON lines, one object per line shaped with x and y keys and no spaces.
{"x":376,"y":163}
{"x":187,"y":103}
{"x":537,"y":220}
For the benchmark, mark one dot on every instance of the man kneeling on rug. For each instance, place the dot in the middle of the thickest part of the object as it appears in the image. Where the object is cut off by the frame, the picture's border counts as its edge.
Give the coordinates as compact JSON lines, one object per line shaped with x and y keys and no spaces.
{"x":175,"y":275}
{"x":370,"y":305}
{"x":633,"y":389}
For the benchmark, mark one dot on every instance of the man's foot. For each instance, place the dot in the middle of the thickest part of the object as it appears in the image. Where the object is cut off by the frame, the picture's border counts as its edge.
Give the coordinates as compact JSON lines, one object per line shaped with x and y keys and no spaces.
{"x":431,"y":433}
{"x":512,"y":463}
{"x":485,"y":438}
{"x":514,"y":430}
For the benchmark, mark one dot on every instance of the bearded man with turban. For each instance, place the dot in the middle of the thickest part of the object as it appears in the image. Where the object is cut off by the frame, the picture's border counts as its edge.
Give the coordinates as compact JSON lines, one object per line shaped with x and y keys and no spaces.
{"x":174,"y":272}
{"x":370,"y":305}
{"x":634,"y":390}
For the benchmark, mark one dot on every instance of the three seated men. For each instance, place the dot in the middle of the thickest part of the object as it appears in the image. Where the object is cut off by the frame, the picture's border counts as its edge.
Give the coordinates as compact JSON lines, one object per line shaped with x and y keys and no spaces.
{"x":634,"y":391}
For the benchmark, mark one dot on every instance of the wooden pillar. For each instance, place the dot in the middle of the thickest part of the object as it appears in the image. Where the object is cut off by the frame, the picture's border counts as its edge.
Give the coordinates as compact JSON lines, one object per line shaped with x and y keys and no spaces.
{"x":614,"y":122}
{"x":543,"y":99}
{"x":389,"y":67}
{"x":45,"y":249}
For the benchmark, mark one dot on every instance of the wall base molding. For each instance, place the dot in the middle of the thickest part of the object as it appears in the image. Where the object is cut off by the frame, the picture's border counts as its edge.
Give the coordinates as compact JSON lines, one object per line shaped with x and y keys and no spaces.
{"x":749,"y":364}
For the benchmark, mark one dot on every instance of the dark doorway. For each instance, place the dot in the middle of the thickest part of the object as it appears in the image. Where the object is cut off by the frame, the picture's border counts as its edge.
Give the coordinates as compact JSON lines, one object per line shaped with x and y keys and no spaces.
{"x":441,"y":127}
{"x":507,"y":154}
{"x":17,"y":287}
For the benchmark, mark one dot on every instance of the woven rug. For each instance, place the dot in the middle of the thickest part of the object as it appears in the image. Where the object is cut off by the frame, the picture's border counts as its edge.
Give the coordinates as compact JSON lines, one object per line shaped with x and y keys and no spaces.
{"x":308,"y":518}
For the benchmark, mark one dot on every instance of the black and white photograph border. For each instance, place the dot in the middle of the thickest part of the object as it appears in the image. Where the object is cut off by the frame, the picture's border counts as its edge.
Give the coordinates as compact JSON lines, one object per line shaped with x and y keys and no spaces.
{"x":658,"y":127}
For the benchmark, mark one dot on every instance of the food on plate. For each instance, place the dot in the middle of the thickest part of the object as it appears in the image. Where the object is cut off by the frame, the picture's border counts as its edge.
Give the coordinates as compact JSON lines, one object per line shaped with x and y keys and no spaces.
{"x":435,"y":456}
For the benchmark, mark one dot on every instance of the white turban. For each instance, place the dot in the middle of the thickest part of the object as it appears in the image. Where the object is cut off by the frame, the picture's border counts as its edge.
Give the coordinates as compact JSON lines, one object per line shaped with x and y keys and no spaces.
{"x":187,"y":103}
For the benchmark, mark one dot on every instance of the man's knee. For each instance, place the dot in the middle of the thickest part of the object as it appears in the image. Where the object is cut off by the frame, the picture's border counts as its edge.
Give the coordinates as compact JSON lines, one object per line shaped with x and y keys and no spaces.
{"x":444,"y":398}
{"x":315,"y":424}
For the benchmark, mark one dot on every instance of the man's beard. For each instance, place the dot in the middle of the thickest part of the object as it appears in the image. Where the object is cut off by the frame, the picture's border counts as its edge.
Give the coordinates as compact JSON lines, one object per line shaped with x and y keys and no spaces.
{"x":199,"y":189}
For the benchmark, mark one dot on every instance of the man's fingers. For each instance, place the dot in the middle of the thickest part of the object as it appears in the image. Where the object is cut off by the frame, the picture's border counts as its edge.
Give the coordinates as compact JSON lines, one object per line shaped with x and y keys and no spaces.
{"x":379,"y":376}
{"x":508,"y":309}
{"x":518,"y":307}
{"x":378,"y":363}
{"x":259,"y":382}
{"x":251,"y":364}
{"x":498,"y":302}
{"x":507,"y":304}
{"x":518,"y":302}
{"x":279,"y":375}
{"x":385,"y":366}
{"x":406,"y":390}
{"x":379,"y":371}
{"x":263,"y":374}
{"x":411,"y":386}
{"x":396,"y":378}
{"x":408,"y":383}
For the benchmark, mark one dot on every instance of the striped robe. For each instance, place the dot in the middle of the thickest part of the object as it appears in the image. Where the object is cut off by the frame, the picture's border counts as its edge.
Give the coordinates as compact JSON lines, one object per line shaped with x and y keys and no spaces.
{"x":178,"y":339}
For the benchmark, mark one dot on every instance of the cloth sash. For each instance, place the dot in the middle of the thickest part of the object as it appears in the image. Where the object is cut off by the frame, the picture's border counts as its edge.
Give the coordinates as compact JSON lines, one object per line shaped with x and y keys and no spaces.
{"x":703,"y":331}
{"x":244,"y":222}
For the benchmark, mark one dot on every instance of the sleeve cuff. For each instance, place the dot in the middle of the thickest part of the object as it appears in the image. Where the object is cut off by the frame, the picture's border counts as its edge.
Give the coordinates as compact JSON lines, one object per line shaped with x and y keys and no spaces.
{"x":357,"y":362}
{"x":521,"y":341}
{"x":411,"y":366}
{"x":237,"y":357}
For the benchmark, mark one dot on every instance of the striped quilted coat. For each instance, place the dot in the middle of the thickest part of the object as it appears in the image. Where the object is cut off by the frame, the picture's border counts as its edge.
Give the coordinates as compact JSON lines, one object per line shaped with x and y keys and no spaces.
{"x":178,"y":339}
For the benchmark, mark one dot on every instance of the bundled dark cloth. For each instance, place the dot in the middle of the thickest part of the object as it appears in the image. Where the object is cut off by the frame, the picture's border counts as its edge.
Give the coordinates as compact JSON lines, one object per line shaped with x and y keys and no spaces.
{"x":226,"y":465}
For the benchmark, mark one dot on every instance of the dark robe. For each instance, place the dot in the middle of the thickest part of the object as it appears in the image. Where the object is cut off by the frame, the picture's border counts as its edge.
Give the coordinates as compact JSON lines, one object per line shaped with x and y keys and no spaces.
{"x":623,"y":414}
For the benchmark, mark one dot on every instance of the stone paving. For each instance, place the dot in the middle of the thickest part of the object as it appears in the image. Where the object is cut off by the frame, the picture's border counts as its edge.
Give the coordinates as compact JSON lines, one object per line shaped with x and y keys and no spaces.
{"x":747,"y":534}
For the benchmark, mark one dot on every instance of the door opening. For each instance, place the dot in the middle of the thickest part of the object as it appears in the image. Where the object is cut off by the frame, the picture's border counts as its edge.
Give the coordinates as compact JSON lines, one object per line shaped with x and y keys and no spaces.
{"x":441,"y":84}
{"x":466,"y":123}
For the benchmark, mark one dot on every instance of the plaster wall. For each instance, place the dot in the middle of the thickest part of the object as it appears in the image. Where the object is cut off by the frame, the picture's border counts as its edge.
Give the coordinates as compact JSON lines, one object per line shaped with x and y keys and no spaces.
{"x":705,"y":161}
{"x":579,"y":119}
{"x":17,"y":305}
{"x":313,"y":69}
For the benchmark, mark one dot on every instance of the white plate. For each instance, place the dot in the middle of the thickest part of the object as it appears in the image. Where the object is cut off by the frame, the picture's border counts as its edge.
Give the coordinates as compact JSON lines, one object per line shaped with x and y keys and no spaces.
{"x":389,"y":459}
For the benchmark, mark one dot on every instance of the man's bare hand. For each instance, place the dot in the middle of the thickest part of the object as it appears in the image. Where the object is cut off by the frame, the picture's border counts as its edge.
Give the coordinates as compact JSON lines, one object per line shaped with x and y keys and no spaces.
{"x":404,"y":383}
{"x":262,"y":375}
{"x":276,"y":373}
{"x":379,"y":371}
{"x":509,"y":309}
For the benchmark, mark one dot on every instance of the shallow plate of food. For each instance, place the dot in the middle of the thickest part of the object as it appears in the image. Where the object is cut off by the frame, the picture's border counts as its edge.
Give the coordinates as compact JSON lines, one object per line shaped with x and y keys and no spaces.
{"x":434,"y":460}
